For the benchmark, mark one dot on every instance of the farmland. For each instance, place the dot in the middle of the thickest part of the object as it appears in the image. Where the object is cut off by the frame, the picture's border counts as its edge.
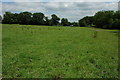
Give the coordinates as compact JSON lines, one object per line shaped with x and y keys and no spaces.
{"x":31,"y":51}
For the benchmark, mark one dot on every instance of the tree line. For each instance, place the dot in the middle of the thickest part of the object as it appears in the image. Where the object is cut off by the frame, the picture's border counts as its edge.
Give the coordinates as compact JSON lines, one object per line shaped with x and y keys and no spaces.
{"x":101,"y":19}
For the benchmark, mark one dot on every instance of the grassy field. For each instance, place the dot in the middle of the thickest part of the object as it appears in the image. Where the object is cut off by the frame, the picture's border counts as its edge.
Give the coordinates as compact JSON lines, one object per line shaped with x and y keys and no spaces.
{"x":31,"y":51}
{"x":0,"y":50}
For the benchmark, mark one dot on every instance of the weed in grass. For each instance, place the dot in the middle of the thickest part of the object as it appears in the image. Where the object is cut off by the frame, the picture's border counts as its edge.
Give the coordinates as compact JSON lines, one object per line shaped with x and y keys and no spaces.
{"x":95,"y":34}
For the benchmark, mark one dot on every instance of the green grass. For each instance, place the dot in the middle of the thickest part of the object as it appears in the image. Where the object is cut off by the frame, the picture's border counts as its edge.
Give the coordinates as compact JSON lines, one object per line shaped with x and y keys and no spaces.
{"x":31,"y":51}
{"x":0,"y":50}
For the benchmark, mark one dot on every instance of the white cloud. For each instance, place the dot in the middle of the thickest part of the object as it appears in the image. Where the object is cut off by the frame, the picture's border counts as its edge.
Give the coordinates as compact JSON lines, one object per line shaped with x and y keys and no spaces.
{"x":59,"y":0}
{"x":84,"y":0}
{"x":21,"y":0}
{"x":0,"y":6}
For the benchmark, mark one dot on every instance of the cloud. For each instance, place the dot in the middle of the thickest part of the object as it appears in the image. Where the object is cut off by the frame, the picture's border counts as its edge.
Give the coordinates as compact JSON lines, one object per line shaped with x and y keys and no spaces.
{"x":71,"y":10}
{"x":59,"y":0}
{"x":83,"y":0}
{"x":21,"y":0}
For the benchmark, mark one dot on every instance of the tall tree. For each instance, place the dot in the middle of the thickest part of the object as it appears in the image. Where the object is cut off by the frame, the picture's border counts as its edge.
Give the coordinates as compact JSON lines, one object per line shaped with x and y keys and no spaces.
{"x":47,"y":21}
{"x":86,"y":21}
{"x":103,"y":19}
{"x":8,"y":18}
{"x":25,"y":17}
{"x":74,"y":23}
{"x":15,"y":18}
{"x":64,"y":22}
{"x":82,"y":23}
{"x":0,"y":19}
{"x":38,"y":18}
{"x":54,"y":20}
{"x":116,"y":20}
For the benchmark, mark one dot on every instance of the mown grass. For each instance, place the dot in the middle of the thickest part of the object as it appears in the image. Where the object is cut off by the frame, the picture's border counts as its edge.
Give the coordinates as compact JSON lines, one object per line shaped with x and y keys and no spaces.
{"x":31,"y":51}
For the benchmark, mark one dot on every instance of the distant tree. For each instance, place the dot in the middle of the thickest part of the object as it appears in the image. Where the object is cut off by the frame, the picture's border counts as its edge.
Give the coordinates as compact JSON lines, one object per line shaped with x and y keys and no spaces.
{"x":86,"y":21}
{"x":0,"y":19}
{"x":107,"y":19}
{"x":15,"y":18}
{"x":64,"y":22}
{"x":47,"y":21}
{"x":82,"y":23}
{"x":8,"y":18}
{"x":51,"y":22}
{"x":117,"y":15}
{"x":116,"y":24}
{"x":74,"y":24}
{"x":38,"y":18}
{"x":116,"y":20}
{"x":104,"y":19}
{"x":25,"y":18}
{"x":54,"y":20}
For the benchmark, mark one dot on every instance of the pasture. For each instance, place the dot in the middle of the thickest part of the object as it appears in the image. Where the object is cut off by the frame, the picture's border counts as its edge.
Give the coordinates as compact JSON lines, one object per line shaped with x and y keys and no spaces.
{"x":31,"y":51}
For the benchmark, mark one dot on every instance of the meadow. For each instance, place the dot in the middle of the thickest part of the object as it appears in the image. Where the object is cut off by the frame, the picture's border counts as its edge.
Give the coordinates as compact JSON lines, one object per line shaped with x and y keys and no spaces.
{"x":31,"y":51}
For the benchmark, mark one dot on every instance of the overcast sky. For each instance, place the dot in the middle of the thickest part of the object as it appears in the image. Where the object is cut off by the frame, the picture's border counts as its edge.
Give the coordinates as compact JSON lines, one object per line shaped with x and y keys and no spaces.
{"x":59,"y":0}
{"x":71,"y":10}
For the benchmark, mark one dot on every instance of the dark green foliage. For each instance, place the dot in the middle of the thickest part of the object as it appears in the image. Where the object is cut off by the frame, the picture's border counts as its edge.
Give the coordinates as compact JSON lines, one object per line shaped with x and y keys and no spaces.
{"x":0,"y":19}
{"x":47,"y":21}
{"x":107,"y":19}
{"x":7,"y":17}
{"x":54,"y":20}
{"x":74,"y":24}
{"x":64,"y":22}
{"x":15,"y":18}
{"x":38,"y":18}
{"x":102,"y":19}
{"x":116,"y":23}
{"x":86,"y":21}
{"x":25,"y":18}
{"x":82,"y":23}
{"x":10,"y":18}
